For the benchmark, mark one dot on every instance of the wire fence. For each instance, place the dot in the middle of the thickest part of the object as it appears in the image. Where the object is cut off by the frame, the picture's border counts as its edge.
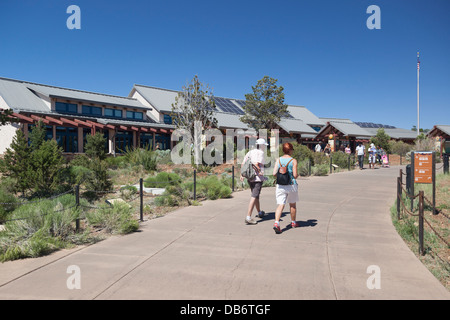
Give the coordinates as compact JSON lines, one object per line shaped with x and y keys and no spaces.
{"x":80,"y":193}
{"x":402,"y":208}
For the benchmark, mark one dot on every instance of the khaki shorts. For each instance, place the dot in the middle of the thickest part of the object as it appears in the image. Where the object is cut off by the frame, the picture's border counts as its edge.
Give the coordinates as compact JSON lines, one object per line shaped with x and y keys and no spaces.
{"x":255,"y":187}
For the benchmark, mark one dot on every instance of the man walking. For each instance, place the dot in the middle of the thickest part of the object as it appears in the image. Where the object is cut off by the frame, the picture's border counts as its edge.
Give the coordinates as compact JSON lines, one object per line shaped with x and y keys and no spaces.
{"x":257,"y":159}
{"x":361,"y":152}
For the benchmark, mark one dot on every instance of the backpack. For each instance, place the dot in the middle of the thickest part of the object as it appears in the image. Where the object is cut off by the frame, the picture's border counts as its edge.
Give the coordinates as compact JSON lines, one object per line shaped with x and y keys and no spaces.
{"x":283,"y":177}
{"x":247,"y":169}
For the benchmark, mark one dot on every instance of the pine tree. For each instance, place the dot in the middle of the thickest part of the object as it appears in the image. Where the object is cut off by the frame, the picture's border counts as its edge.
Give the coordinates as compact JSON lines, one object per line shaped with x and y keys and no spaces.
{"x":47,"y":164}
{"x":17,"y":162}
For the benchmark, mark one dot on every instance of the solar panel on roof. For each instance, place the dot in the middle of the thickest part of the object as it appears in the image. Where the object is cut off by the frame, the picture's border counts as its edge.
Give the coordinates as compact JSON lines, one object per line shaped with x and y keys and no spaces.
{"x":226,"y":105}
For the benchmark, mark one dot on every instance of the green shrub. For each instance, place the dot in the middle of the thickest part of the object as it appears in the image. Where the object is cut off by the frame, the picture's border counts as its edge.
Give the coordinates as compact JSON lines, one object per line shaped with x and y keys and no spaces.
{"x":8,"y":203}
{"x":140,"y":156}
{"x":162,"y":180}
{"x":320,"y":170}
{"x":113,"y":219}
{"x":38,"y":228}
{"x":341,"y":159}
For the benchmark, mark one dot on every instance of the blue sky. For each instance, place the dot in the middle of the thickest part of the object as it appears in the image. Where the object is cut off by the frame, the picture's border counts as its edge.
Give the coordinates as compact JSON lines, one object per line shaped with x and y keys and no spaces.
{"x":320,"y":51}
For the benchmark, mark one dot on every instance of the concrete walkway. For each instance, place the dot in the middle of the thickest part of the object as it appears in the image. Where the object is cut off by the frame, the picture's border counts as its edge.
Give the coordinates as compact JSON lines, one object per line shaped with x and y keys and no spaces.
{"x":207,"y":252}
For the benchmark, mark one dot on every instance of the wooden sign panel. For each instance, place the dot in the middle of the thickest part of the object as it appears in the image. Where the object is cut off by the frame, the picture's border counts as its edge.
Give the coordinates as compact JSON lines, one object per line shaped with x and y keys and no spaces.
{"x":423,"y":167}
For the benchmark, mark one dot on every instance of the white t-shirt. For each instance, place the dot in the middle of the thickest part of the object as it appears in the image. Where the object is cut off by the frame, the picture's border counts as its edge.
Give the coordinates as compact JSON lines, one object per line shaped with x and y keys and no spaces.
{"x":257,"y":156}
{"x":360,"y":150}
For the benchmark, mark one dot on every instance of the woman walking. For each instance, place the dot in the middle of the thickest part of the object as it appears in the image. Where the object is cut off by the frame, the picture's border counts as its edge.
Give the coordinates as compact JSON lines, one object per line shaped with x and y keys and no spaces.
{"x":286,"y":191}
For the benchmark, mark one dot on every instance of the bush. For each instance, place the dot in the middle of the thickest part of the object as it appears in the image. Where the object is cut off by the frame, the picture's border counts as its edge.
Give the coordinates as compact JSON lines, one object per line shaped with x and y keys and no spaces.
{"x":162,"y":180}
{"x":399,"y":147}
{"x":140,"y":156}
{"x":8,"y":203}
{"x":320,"y":170}
{"x":38,"y":228}
{"x":114,"y":219}
{"x":341,"y":159}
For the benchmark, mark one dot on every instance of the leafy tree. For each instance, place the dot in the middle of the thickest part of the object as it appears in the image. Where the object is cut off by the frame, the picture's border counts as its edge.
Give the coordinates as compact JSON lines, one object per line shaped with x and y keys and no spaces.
{"x":17,"y":162}
{"x":265,"y":106}
{"x":382,"y":139}
{"x":194,"y":105}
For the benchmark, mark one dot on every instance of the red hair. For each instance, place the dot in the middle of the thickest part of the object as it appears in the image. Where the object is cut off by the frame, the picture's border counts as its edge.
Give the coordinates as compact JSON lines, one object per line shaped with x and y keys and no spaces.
{"x":287,"y":147}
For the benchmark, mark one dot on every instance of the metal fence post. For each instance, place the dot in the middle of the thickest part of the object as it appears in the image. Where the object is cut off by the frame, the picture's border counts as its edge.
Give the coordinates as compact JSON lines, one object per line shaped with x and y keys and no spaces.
{"x":399,"y":195}
{"x":348,"y":163}
{"x":195,"y":184}
{"x":232,"y":178}
{"x":331,"y":164}
{"x":421,"y":196}
{"x":77,"y":203}
{"x":141,"y":196}
{"x":446,"y":166}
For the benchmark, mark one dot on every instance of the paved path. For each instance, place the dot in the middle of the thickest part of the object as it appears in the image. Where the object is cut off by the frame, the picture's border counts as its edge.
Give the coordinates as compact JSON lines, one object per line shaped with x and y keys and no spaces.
{"x":207,"y":252}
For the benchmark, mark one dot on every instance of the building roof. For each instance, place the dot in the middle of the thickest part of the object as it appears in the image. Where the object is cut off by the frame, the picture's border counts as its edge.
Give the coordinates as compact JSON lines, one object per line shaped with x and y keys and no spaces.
{"x":302,"y":113}
{"x":440,"y":130}
{"x":296,"y":126}
{"x":395,"y":133}
{"x":160,"y":99}
{"x":18,"y":97}
{"x":345,"y":128}
{"x":24,"y":96}
{"x":229,"y":121}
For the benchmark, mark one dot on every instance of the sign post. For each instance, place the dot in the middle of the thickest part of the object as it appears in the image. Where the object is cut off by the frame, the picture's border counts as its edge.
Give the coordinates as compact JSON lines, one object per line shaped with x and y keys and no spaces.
{"x":424,"y":171}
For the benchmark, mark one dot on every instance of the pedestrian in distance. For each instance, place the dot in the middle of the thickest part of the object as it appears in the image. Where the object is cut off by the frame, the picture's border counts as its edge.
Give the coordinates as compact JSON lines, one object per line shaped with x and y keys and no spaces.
{"x":318,"y":148}
{"x":285,"y":171}
{"x":256,"y":157}
{"x":372,"y":156}
{"x":361,"y":152}
{"x":348,"y":150}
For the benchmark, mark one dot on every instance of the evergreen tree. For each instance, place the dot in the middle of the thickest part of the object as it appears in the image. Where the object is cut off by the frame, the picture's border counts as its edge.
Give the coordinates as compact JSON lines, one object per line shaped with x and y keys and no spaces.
{"x":17,"y":162}
{"x":265,"y":106}
{"x":47,"y":165}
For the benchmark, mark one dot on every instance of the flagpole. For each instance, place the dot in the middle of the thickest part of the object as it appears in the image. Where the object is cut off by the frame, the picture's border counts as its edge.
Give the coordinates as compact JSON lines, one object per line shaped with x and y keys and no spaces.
{"x":418,"y":112}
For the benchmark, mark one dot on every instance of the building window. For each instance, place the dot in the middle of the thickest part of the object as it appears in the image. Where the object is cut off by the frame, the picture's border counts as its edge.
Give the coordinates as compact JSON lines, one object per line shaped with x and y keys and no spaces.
{"x":162,"y":141}
{"x":124,"y":140}
{"x":48,"y":132}
{"x":91,"y":111}
{"x":113,"y":113}
{"x":66,"y":107}
{"x":167,"y":119}
{"x":135,"y":115}
{"x":146,"y":141}
{"x":67,"y":139}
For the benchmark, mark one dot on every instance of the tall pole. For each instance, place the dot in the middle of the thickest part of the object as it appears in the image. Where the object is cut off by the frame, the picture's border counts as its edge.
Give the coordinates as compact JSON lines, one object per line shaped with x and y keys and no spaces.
{"x":418,"y":112}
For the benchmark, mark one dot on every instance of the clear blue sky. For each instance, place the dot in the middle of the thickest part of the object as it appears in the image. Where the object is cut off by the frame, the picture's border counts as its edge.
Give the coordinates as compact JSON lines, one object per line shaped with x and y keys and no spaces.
{"x":320,"y":51}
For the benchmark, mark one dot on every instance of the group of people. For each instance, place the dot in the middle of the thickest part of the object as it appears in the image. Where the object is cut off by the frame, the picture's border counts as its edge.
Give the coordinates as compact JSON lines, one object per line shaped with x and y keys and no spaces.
{"x":285,"y":193}
{"x":375,"y":155}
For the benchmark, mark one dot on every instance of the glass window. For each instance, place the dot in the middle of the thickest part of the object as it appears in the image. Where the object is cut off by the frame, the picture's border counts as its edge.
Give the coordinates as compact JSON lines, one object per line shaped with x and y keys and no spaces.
{"x":67,"y":139}
{"x":90,"y":110}
{"x":135,"y":115}
{"x":114,"y":113}
{"x":139,"y":116}
{"x":167,"y":119}
{"x":66,"y":107}
{"x":124,"y":140}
